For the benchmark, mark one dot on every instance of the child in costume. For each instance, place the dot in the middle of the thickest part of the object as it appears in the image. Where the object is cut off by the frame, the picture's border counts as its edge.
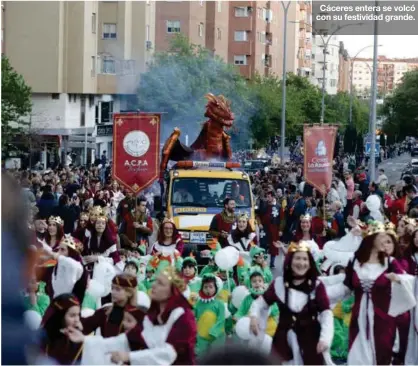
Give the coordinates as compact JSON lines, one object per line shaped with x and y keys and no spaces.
{"x":149,"y":277}
{"x":257,"y":286}
{"x":228,"y":285}
{"x":35,"y":297}
{"x":189,"y":274}
{"x":132,"y":269}
{"x":259,"y":260}
{"x":211,"y":267}
{"x":210,"y":315}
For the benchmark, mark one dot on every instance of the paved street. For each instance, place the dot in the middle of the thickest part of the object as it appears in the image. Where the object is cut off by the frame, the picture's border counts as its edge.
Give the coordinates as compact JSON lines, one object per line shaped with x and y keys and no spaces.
{"x":393,"y":167}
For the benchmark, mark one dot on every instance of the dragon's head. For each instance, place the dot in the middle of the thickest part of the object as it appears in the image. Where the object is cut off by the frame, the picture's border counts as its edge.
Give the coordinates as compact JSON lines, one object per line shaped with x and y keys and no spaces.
{"x":218,"y":109}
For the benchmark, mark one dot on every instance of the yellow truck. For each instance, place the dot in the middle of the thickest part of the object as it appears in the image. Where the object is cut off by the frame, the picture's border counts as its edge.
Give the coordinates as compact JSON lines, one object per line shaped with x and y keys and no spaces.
{"x":195,"y":191}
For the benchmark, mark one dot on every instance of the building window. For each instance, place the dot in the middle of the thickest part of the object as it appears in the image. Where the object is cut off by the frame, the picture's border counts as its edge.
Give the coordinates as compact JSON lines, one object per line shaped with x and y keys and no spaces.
{"x":240,"y":60}
{"x":240,"y":36}
{"x":259,"y":13}
{"x":219,"y":6}
{"x":218,"y":33}
{"x":173,"y":26}
{"x":263,"y":37}
{"x":93,"y":23}
{"x":109,"y":31}
{"x":93,"y":65}
{"x":333,"y":83}
{"x":201,"y":2}
{"x":108,"y":65}
{"x":107,"y":111}
{"x":55,"y":96}
{"x":241,"y":12}
{"x":200,"y":29}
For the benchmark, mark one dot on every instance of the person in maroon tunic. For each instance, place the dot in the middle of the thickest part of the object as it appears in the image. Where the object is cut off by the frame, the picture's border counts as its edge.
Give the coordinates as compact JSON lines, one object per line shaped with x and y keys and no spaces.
{"x":269,"y":224}
{"x":109,"y":319}
{"x":305,"y":330}
{"x":62,"y":313}
{"x":166,"y":335}
{"x":222,"y":222}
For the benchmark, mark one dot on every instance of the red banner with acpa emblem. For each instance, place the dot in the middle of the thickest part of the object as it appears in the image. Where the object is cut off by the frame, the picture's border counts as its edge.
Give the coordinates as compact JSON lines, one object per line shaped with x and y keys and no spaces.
{"x":136,"y":149}
{"x":318,"y":145}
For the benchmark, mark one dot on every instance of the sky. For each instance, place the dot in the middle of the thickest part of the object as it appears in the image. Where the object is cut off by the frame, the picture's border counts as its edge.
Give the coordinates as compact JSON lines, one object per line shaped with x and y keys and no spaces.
{"x":392,"y":46}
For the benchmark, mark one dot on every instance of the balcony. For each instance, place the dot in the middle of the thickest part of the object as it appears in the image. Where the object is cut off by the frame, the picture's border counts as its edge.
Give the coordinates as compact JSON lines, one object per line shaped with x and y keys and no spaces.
{"x":302,"y":43}
{"x":242,"y":48}
{"x":245,"y":70}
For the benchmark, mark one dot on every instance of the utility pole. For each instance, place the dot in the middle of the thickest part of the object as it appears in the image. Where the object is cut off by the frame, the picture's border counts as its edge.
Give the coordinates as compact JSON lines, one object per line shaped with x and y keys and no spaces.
{"x":373,"y":101}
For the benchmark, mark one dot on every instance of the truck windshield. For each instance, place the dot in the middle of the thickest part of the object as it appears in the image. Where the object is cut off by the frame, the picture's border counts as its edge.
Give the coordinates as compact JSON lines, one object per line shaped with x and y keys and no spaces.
{"x":210,"y":192}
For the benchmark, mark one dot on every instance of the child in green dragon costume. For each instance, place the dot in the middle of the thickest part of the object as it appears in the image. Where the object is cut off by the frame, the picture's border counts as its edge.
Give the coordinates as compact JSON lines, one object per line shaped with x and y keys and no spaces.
{"x":189,"y":274}
{"x":228,"y":285}
{"x":342,"y":317}
{"x":210,"y":315}
{"x":257,"y":286}
{"x":259,"y":260}
{"x":36,"y":299}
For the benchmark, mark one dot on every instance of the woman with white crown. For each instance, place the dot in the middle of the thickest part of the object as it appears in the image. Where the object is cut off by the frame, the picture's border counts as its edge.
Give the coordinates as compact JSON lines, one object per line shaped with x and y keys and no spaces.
{"x":167,"y":250}
{"x":305,"y":330}
{"x":382,"y":291}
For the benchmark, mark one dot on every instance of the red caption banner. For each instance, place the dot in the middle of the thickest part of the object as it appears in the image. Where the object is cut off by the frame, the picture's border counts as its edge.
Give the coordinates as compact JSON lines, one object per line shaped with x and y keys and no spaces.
{"x":136,"y":149}
{"x":318,"y":145}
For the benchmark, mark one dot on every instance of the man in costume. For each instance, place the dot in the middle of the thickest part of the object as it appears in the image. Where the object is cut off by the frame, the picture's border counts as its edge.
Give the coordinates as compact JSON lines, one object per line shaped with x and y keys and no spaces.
{"x":269,"y":223}
{"x":136,"y":226}
{"x":222,"y":222}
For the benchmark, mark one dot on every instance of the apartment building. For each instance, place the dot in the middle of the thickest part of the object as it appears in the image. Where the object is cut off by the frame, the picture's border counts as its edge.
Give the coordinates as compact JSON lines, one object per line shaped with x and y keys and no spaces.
{"x":329,"y":61}
{"x":344,"y":69}
{"x":299,"y":38}
{"x":2,"y":27}
{"x":389,"y":74}
{"x":82,"y":60}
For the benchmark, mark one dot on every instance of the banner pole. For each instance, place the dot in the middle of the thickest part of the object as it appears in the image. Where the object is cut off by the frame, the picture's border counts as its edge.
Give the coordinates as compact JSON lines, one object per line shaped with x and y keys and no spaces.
{"x":324,"y":210}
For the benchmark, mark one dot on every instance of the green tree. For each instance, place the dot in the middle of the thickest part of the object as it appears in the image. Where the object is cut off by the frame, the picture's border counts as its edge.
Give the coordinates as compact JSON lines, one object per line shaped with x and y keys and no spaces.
{"x":15,"y":104}
{"x":176,"y":82}
{"x":400,"y":110}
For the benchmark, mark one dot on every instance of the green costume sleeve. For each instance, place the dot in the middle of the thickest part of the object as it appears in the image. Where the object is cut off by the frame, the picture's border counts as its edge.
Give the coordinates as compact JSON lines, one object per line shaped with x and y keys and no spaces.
{"x":244,"y":307}
{"x":141,"y":287}
{"x":43,"y":303}
{"x":347,"y":305}
{"x":89,"y":302}
{"x":242,"y":272}
{"x":218,"y":328}
{"x":268,"y":275}
{"x":179,"y":263}
{"x":274,"y":311}
{"x":28,"y":305}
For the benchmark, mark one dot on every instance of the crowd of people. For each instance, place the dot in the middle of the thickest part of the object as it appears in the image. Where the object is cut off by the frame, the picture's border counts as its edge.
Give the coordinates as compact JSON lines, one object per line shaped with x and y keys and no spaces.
{"x":312,"y":280}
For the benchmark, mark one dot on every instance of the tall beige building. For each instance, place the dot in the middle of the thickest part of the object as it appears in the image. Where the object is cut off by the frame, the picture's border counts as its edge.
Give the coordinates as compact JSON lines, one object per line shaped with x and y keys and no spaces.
{"x":204,"y":23}
{"x":82,"y":60}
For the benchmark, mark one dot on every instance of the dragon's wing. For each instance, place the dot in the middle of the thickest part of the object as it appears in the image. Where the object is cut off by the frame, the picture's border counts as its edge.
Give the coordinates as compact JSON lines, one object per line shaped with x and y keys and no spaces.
{"x":174,"y":150}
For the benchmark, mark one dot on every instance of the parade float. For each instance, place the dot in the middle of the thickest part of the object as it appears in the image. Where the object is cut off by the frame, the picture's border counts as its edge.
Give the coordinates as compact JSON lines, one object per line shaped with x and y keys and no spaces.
{"x":203,"y":176}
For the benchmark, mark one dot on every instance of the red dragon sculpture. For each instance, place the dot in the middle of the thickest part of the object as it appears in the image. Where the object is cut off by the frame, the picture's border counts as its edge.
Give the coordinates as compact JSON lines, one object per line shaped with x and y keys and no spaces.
{"x":212,"y":143}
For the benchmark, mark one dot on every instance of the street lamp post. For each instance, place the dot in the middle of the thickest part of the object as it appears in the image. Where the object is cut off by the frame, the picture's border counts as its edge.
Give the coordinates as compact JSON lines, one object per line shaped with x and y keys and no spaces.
{"x":373,"y":101}
{"x":283,"y":125}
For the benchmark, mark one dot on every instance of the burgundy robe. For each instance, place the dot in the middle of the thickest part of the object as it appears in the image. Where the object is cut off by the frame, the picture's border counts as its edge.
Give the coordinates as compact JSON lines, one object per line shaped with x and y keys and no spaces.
{"x":304,"y":323}
{"x":109,"y":322}
{"x":379,"y":292}
{"x":270,"y":219}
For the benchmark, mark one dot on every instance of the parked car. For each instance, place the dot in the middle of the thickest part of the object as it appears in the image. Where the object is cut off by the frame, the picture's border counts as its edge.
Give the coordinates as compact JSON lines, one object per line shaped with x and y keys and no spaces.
{"x":414,"y":151}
